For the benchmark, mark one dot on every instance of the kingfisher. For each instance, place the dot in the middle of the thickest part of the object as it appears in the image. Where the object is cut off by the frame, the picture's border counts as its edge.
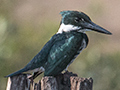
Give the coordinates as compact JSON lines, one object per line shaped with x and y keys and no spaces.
{"x":64,"y":46}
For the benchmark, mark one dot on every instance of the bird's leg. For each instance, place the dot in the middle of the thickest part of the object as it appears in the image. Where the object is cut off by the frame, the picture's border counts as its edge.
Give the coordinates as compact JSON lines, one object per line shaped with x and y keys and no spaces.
{"x":36,"y":74}
{"x":66,"y":69}
{"x":32,"y":77}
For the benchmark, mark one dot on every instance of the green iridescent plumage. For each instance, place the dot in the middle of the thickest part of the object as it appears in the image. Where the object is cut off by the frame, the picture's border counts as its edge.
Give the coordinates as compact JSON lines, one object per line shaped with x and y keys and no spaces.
{"x":60,"y":51}
{"x":63,"y":51}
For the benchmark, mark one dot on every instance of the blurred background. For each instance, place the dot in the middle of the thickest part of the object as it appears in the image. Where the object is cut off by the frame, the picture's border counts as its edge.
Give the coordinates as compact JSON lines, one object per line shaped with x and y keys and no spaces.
{"x":26,"y":25}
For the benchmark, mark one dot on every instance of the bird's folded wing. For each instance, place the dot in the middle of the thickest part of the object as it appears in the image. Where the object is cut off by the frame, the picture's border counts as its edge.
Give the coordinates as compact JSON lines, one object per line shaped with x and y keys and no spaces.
{"x":61,"y":54}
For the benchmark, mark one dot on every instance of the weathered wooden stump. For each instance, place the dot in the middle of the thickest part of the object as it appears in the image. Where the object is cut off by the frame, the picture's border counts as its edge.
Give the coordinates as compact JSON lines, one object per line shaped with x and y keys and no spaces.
{"x":66,"y":81}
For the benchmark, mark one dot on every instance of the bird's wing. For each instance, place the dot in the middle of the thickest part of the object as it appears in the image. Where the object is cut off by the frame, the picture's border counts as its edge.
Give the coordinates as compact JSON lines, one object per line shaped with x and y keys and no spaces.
{"x":61,"y":54}
{"x":39,"y":60}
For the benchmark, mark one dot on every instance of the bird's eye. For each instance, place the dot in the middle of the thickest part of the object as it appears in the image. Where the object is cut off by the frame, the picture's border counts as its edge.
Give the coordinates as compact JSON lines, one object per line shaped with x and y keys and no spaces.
{"x":77,"y":20}
{"x":82,"y":19}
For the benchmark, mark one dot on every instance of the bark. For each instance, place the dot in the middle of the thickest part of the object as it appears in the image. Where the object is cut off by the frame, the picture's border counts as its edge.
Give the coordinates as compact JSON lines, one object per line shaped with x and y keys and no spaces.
{"x":66,"y":81}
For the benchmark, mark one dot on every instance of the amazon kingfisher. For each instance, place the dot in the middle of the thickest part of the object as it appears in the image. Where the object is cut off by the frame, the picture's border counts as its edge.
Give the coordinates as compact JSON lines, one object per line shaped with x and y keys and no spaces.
{"x":63,"y":47}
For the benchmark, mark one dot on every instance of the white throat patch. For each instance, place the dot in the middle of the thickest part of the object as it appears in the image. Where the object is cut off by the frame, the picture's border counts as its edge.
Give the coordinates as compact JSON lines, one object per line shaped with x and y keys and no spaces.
{"x":67,"y":28}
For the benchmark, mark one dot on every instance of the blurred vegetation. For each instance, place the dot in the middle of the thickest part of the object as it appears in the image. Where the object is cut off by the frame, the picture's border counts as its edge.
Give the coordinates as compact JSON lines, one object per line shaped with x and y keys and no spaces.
{"x":22,"y":37}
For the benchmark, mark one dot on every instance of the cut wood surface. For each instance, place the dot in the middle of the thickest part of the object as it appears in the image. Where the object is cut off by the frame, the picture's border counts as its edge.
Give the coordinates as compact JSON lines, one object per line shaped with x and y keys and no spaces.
{"x":66,"y":81}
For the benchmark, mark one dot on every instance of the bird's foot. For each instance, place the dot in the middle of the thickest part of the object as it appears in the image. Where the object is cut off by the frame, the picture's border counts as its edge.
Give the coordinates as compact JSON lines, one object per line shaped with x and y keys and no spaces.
{"x":69,"y":73}
{"x":66,"y":71}
{"x":31,"y":79}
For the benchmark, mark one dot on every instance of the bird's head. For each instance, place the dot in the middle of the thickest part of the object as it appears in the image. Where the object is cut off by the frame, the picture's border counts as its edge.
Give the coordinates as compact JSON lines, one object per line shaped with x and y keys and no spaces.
{"x":78,"y":21}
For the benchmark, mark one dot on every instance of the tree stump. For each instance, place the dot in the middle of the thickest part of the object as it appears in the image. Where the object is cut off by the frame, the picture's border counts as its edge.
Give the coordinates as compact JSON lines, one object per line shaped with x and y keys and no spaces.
{"x":66,"y":81}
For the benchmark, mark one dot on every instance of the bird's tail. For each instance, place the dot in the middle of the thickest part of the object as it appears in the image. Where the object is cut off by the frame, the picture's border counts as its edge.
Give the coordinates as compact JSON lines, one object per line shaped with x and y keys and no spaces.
{"x":16,"y":73}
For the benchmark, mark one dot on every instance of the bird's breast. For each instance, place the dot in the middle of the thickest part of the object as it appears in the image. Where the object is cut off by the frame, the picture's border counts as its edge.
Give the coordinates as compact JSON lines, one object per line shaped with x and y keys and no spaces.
{"x":82,"y":46}
{"x":64,"y":51}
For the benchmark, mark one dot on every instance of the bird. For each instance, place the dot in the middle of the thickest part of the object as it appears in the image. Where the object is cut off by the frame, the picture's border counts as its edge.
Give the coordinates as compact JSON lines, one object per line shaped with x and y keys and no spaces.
{"x":64,"y":46}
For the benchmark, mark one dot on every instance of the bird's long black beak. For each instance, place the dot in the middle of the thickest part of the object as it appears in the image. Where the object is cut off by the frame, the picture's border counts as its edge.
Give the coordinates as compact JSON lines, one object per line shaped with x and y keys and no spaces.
{"x":97,"y":28}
